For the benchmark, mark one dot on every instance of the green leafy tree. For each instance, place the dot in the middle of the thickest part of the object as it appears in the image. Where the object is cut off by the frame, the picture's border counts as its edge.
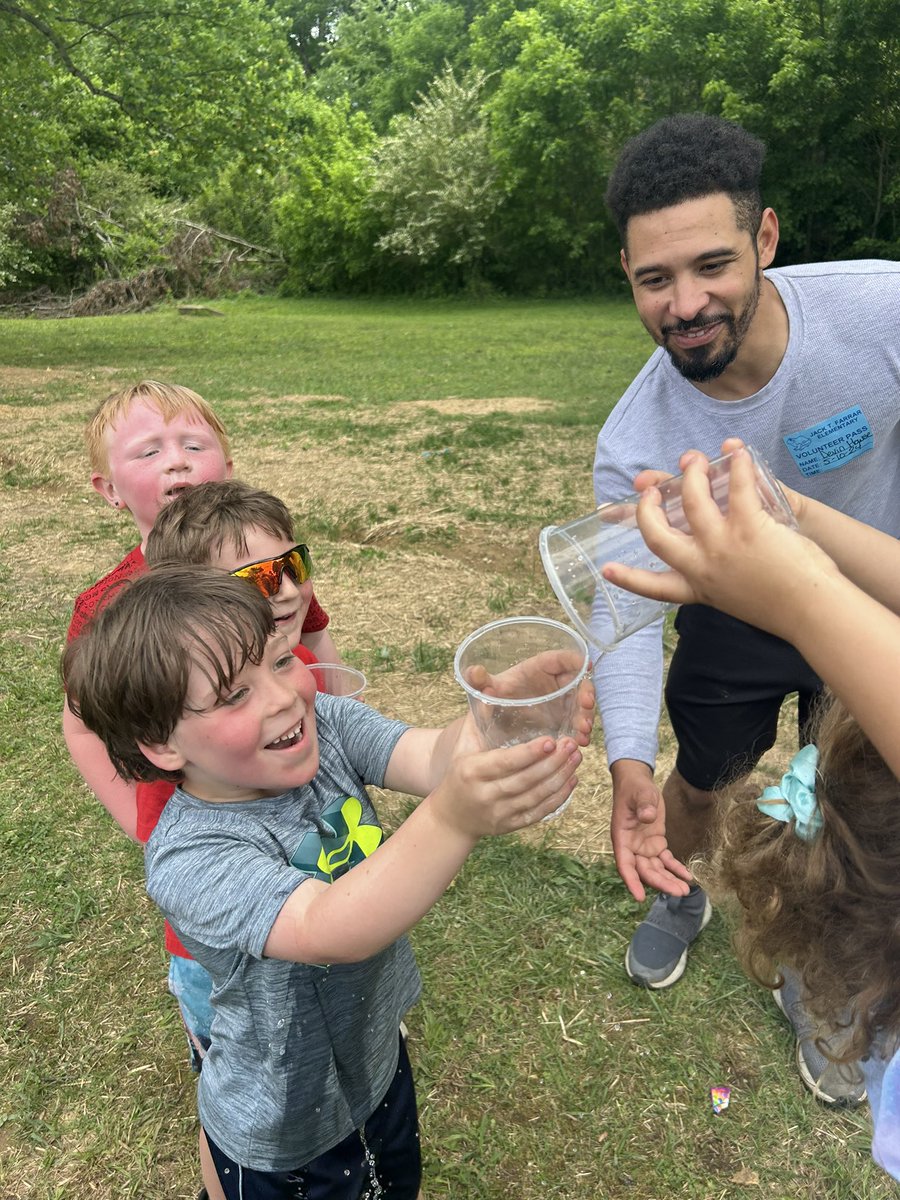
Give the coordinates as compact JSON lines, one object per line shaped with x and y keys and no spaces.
{"x":384,"y":53}
{"x":435,"y":186}
{"x":321,"y":221}
{"x":163,"y":87}
{"x":832,"y":123}
{"x":550,"y":140}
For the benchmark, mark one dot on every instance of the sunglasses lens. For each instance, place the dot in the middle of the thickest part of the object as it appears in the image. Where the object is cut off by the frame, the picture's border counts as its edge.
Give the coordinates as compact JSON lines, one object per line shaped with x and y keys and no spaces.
{"x":298,"y":562}
{"x":265,"y":575}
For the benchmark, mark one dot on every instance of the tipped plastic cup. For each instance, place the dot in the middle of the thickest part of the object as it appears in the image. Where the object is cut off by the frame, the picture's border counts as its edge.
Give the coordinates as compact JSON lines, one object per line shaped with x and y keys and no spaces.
{"x":521,"y":677}
{"x":336,"y":679}
{"x":575,"y":554}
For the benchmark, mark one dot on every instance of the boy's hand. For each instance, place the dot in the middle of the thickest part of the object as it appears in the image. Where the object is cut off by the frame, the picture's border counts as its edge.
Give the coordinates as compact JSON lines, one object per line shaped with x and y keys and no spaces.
{"x":541,"y":675}
{"x":488,"y":792}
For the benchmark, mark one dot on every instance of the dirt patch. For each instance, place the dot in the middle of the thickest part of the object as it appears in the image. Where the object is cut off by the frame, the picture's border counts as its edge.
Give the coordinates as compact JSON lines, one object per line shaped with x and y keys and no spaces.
{"x":458,"y":406}
{"x":22,"y":377}
{"x":32,"y":377}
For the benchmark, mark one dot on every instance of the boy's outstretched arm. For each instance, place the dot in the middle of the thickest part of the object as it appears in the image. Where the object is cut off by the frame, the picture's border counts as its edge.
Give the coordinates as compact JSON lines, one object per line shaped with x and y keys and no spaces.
{"x":484,"y":792}
{"x":777,"y":579}
{"x":118,"y":797}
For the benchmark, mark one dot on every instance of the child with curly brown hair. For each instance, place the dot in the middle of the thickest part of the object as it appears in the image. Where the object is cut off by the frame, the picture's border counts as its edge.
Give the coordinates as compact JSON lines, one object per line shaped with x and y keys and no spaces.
{"x":815,"y":861}
{"x":815,"y":866}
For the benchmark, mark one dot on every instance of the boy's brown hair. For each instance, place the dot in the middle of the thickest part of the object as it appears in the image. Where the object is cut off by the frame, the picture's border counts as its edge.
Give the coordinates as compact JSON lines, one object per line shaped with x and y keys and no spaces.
{"x":830,"y":908}
{"x":203,"y":519}
{"x":127,"y":675}
{"x":169,"y":398}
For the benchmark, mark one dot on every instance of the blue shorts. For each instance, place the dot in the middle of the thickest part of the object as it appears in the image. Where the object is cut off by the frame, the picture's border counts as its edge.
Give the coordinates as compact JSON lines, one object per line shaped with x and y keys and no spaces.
{"x":382,"y":1159}
{"x":191,"y":986}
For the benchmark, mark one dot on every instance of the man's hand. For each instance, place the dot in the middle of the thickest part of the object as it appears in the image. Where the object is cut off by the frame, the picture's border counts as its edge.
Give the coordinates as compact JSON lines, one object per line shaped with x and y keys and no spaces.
{"x":638,"y":832}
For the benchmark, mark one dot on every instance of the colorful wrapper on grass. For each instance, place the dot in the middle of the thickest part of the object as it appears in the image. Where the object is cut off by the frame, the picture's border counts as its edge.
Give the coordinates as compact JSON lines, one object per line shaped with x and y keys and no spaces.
{"x":721,"y":1098}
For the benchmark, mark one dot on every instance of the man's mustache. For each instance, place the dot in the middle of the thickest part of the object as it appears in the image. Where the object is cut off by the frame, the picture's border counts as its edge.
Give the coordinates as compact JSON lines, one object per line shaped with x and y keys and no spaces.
{"x":696,"y":324}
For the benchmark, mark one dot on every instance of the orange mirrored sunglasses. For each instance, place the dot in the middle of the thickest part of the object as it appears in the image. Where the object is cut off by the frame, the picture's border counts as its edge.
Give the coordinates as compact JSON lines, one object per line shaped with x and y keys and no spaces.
{"x":267,"y":573}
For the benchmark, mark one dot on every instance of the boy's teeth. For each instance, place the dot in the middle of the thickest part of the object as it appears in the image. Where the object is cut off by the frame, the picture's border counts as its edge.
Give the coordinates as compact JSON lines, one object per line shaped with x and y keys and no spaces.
{"x":291,"y":736}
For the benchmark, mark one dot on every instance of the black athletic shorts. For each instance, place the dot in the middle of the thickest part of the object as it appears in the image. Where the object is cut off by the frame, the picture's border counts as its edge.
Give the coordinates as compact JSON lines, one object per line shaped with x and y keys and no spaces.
{"x":381,"y":1159}
{"x":725,"y":688}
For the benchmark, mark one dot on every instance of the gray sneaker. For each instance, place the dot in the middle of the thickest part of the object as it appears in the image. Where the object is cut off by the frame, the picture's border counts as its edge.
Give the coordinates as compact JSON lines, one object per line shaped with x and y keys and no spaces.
{"x":838,"y":1084}
{"x":658,"y":952}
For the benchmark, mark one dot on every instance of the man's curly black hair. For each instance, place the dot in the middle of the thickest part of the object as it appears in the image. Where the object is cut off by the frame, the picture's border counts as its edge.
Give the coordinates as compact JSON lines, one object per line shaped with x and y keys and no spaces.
{"x":682,"y":158}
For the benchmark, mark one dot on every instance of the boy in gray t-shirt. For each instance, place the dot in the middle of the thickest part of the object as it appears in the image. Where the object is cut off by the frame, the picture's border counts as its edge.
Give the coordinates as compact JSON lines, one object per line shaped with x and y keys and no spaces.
{"x":270,"y":863}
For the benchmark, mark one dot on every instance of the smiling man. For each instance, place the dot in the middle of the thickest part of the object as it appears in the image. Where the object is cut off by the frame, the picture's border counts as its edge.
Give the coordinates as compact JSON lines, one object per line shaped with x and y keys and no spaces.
{"x":803,"y":363}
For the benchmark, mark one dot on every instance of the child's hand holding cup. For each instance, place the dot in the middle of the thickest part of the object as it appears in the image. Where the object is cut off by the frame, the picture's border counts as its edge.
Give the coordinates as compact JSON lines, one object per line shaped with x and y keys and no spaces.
{"x":526,"y":677}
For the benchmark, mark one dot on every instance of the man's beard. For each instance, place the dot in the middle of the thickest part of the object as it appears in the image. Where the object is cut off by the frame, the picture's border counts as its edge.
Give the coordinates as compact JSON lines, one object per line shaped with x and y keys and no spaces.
{"x":703,"y":363}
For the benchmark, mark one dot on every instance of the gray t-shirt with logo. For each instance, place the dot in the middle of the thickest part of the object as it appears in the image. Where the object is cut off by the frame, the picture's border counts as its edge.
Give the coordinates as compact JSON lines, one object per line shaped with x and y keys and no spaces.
{"x":301,"y":1055}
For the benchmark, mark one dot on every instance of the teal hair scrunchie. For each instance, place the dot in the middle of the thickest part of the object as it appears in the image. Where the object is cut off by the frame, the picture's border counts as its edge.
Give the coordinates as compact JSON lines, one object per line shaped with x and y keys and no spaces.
{"x":795,"y":799}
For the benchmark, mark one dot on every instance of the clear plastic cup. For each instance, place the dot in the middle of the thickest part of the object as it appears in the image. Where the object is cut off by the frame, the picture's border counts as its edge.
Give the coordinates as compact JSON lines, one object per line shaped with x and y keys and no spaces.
{"x":521,"y":676}
{"x":337,"y":679}
{"x":575,"y":554}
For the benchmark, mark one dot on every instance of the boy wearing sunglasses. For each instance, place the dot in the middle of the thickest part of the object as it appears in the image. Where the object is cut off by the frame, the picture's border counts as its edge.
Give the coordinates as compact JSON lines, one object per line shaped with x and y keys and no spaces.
{"x":270,"y":861}
{"x":250,"y":534}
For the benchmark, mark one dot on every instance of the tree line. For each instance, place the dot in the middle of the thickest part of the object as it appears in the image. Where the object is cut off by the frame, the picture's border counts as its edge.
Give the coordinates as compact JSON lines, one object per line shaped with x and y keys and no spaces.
{"x":415,"y":145}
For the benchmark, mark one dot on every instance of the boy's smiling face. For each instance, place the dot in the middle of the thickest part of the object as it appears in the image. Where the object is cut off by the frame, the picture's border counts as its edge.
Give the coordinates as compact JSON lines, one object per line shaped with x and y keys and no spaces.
{"x":291,"y":602}
{"x":255,"y":739}
{"x":152,"y":459}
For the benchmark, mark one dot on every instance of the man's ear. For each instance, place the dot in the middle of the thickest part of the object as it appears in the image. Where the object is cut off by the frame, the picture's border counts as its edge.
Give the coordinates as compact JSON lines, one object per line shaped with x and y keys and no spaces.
{"x":106,"y":488}
{"x":767,"y":238}
{"x":623,"y":259}
{"x":163,"y":755}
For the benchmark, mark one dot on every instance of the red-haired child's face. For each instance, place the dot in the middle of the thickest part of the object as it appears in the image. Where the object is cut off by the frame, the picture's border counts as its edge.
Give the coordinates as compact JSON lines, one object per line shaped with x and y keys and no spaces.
{"x":151,"y":460}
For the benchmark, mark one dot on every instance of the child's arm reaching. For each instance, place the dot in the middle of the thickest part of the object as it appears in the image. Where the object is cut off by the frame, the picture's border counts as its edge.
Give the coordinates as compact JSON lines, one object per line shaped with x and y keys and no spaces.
{"x":89,"y":755}
{"x":864,"y":554}
{"x":870,"y":558}
{"x":769,"y":575}
{"x":483,"y":793}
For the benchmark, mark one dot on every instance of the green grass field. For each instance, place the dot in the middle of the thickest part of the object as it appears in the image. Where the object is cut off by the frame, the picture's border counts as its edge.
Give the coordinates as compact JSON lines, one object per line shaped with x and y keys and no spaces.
{"x":421,"y":447}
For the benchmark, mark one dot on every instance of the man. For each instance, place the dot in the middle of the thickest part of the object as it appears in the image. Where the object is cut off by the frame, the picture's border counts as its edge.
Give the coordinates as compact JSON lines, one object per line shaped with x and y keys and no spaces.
{"x":803,"y":363}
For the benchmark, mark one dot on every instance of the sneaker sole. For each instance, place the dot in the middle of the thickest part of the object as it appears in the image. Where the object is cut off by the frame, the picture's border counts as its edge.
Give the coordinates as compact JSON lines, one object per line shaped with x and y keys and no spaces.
{"x":678,"y":970}
{"x":811,"y":1084}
